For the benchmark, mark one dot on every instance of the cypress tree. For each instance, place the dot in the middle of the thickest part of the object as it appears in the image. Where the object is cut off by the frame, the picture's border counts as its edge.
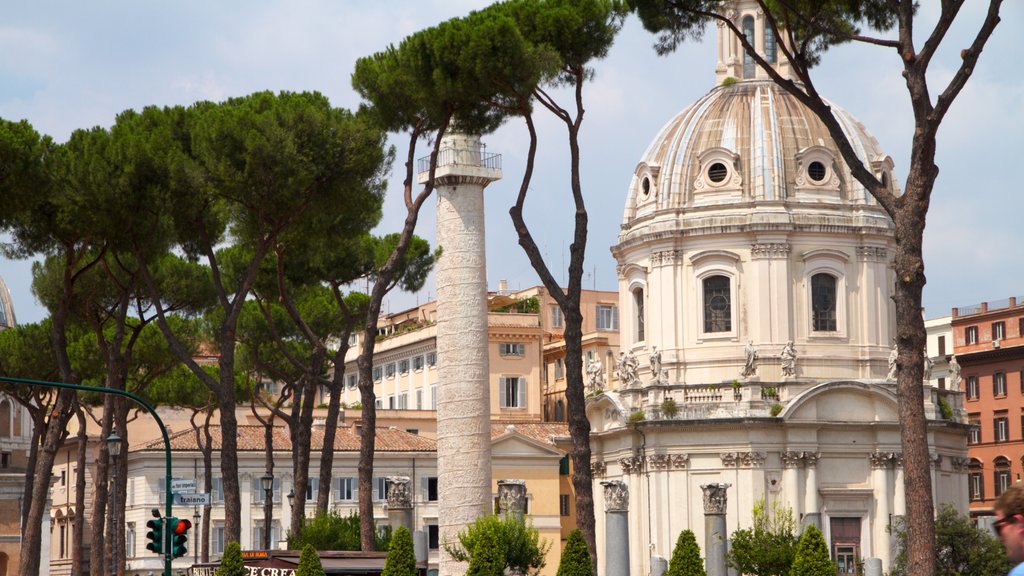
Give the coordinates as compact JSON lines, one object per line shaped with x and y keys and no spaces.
{"x":309,"y":563}
{"x":401,"y":559}
{"x":231,"y":562}
{"x":686,"y":557}
{"x":575,"y":557}
{"x":812,"y":558}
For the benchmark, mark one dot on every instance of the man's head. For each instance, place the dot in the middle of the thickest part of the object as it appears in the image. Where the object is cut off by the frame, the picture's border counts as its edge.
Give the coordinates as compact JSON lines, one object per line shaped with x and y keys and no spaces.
{"x":1009,"y":522}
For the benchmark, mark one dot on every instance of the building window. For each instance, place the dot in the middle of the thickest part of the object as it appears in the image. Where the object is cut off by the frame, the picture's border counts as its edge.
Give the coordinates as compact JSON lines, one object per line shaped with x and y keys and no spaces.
{"x":1020,"y":326}
{"x":563,"y":504}
{"x":417,"y":363}
{"x":975,"y":481}
{"x":512,"y":390}
{"x":942,"y":383}
{"x":217,"y":538}
{"x":942,"y":345}
{"x":559,"y":411}
{"x":258,"y":531}
{"x":419,"y":399}
{"x":823,"y":302}
{"x":559,"y":368}
{"x":638,"y":313}
{"x":430,"y":488}
{"x":999,"y":384}
{"x":556,"y":317}
{"x":998,"y":330}
{"x":433,"y":396}
{"x":974,"y":436}
{"x":377,"y":372}
{"x":129,"y":539}
{"x":717,"y":304}
{"x":770,"y":49}
{"x":607,"y":317}
{"x":748,"y":33}
{"x":403,"y":366}
{"x":378,"y":404}
{"x":1001,"y":425}
{"x":352,"y":380}
{"x":1002,"y":475}
{"x":512,"y":348}
{"x":343,"y":489}
{"x":312,"y":489}
{"x":403,"y":401}
{"x":258,"y":495}
{"x":389,"y":370}
{"x":433,"y":537}
{"x":217,"y":489}
{"x":971,"y":335}
{"x":972,"y":387}
{"x":431,"y":359}
{"x":391,"y":402}
{"x":380,"y":489}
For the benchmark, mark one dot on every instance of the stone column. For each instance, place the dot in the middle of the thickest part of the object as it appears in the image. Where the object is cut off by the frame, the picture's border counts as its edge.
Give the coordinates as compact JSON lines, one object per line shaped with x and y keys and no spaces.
{"x":899,"y":495}
{"x":790,"y":481}
{"x":616,"y":533}
{"x":511,"y":496}
{"x":812,"y":506}
{"x":880,"y":464}
{"x":399,"y":502}
{"x":716,"y":532}
{"x":463,"y":406}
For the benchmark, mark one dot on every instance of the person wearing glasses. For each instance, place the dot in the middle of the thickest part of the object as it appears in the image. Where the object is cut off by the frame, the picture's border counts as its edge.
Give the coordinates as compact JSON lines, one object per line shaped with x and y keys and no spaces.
{"x":1009,"y":525}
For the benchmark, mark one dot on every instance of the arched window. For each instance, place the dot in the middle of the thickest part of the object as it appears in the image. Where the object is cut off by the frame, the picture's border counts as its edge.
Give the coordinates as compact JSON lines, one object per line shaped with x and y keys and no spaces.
{"x":823,"y":302}
{"x":638,"y":313}
{"x":748,"y":33}
{"x":717,"y":304}
{"x":1002,"y":474}
{"x":769,"y":44}
{"x":975,"y":484}
{"x":5,"y":419}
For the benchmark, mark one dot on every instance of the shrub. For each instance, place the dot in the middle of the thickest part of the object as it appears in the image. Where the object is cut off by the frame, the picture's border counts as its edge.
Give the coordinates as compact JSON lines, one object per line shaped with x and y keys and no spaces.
{"x":575,"y":557}
{"x":309,"y":563}
{"x":686,"y":557}
{"x":231,"y":562}
{"x":669,"y":408}
{"x":729,"y":81}
{"x":401,"y":560}
{"x":518,"y":543}
{"x":331,"y":531}
{"x":766,"y":548}
{"x":812,"y":558}
{"x":637,"y":417}
{"x":961,"y":548}
{"x":776,"y":409}
{"x":945,"y":410}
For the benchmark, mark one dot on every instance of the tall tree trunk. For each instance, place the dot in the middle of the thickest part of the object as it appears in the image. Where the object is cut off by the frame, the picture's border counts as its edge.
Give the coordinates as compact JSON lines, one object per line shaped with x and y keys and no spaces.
{"x":78,"y":540}
{"x":99,"y":551}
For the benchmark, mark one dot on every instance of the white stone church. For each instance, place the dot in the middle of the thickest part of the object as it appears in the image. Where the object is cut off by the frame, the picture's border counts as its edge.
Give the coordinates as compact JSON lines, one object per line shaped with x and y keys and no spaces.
{"x":756,"y":325}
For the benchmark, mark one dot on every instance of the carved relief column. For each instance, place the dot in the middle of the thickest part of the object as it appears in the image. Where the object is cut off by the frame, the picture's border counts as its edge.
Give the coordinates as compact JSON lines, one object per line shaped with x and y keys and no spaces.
{"x":769,"y":289}
{"x":511,"y":496}
{"x":812,"y":503}
{"x":399,"y":502}
{"x":716,"y":534}
{"x":791,"y":481}
{"x":616,"y":521}
{"x":880,"y":485}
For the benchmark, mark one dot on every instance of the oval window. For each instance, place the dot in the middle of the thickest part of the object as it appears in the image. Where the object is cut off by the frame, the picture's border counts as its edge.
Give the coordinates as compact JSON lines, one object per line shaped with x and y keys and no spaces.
{"x":816,"y":171}
{"x":645,"y":185}
{"x":717,"y":172}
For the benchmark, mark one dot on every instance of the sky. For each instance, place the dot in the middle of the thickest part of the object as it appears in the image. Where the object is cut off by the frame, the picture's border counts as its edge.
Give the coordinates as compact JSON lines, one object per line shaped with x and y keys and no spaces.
{"x":67,"y":65}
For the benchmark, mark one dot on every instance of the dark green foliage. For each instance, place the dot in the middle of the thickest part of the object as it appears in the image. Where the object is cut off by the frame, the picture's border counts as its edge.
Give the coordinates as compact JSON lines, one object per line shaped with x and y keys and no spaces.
{"x":768,"y":547}
{"x":686,"y":557}
{"x":401,"y":559}
{"x":486,"y":559}
{"x":331,"y":531}
{"x":961,"y":548}
{"x":812,"y":557}
{"x":309,"y":563}
{"x":575,"y":557}
{"x":517,"y":542}
{"x":231,"y":562}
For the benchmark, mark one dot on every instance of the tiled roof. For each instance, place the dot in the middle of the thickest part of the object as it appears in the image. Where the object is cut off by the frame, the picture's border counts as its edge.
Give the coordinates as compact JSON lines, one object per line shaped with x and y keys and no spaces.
{"x":252,"y":438}
{"x":545,"y":432}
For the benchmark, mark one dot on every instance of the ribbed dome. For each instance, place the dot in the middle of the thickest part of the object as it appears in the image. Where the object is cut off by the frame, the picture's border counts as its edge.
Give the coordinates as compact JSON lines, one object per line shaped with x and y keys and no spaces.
{"x":750,"y":141}
{"x":6,"y":308}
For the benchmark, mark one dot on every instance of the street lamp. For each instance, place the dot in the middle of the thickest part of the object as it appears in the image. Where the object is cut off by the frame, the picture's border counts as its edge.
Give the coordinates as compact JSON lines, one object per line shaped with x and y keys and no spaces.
{"x":267,"y":483}
{"x":291,"y":499}
{"x":195,"y":545}
{"x":114,"y":449}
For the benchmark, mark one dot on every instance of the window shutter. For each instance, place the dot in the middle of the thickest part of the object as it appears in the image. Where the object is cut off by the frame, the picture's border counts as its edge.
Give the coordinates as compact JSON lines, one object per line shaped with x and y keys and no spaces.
{"x":522,"y":392}
{"x":502,"y":393}
{"x":355,"y":488}
{"x":376,"y":492}
{"x":276,"y":494}
{"x":425,"y":488}
{"x":336,"y":488}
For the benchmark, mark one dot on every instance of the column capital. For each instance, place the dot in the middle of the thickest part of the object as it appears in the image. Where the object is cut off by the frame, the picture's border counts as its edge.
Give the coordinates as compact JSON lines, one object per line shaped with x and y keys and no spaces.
{"x":715,"y":497}
{"x":511,"y":496}
{"x":399,"y":497}
{"x":616,"y":496}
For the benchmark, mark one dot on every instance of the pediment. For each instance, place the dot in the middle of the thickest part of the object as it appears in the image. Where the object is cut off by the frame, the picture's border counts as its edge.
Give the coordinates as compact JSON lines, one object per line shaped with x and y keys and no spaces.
{"x":515,"y":445}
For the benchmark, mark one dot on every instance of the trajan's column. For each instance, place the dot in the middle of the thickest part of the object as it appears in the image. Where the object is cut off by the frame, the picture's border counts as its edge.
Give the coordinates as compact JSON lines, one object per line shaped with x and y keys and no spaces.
{"x":463,"y":404}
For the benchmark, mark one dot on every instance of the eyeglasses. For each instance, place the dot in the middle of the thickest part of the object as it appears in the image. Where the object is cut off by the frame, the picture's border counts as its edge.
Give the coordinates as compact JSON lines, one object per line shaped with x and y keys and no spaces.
{"x":1004,"y":521}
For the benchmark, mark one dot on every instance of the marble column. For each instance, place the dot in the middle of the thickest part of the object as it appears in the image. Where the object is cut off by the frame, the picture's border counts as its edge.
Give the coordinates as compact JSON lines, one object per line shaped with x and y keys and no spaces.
{"x":790,"y":481}
{"x":812,"y":502}
{"x":464,"y":405}
{"x":399,"y":502}
{"x":880,"y":481}
{"x":716,"y":534}
{"x":511,"y":496}
{"x":616,"y":521}
{"x":899,"y":495}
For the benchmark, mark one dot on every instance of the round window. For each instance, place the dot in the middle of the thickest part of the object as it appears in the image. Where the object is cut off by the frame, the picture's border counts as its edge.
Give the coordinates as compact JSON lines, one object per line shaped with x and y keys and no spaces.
{"x":645,"y":185}
{"x":816,"y":171}
{"x":717,"y":172}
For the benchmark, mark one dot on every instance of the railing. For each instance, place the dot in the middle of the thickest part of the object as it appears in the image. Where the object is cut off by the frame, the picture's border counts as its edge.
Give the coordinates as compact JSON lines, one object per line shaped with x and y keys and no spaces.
{"x":461,"y":157}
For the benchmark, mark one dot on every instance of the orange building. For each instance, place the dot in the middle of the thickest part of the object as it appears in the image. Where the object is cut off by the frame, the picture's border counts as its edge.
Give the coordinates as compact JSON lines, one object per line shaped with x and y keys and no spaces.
{"x":989,"y":347}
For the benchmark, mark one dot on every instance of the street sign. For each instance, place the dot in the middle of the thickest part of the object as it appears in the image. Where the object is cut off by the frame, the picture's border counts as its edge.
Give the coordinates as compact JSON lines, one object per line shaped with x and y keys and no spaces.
{"x":183,"y":485}
{"x":192,"y":499}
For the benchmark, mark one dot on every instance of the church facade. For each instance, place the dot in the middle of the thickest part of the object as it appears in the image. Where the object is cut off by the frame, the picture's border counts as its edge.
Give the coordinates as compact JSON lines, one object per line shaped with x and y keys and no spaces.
{"x":756,"y":328}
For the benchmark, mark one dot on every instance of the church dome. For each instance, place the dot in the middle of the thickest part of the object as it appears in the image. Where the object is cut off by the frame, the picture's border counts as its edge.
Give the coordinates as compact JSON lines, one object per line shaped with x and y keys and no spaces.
{"x":751,"y":141}
{"x":6,"y":308}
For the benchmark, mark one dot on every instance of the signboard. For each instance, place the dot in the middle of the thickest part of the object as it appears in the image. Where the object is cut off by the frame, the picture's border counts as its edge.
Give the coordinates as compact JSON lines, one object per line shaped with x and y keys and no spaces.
{"x":183,"y":485}
{"x":192,"y":499}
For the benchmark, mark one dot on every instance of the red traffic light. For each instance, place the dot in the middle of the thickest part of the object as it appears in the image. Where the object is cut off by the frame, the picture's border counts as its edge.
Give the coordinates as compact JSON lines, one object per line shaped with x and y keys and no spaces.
{"x":181,"y":526}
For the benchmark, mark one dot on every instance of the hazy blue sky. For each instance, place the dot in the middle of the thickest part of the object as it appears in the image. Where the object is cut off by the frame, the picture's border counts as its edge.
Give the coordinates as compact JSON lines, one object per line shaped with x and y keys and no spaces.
{"x":66,"y":65}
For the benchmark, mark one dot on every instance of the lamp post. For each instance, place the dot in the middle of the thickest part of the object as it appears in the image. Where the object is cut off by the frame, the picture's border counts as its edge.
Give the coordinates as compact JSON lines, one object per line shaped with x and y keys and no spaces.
{"x":195,"y":545}
{"x":267,"y":483}
{"x":114,"y":449}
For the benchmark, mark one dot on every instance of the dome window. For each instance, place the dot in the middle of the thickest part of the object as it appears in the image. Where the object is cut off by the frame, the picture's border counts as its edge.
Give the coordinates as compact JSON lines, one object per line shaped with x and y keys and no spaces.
{"x":816,"y":170}
{"x":645,"y":185}
{"x":717,"y":172}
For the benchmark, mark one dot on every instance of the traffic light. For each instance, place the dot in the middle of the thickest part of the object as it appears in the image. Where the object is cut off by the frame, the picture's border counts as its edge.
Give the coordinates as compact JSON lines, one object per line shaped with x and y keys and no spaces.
{"x":178,"y":527}
{"x":156,"y":533}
